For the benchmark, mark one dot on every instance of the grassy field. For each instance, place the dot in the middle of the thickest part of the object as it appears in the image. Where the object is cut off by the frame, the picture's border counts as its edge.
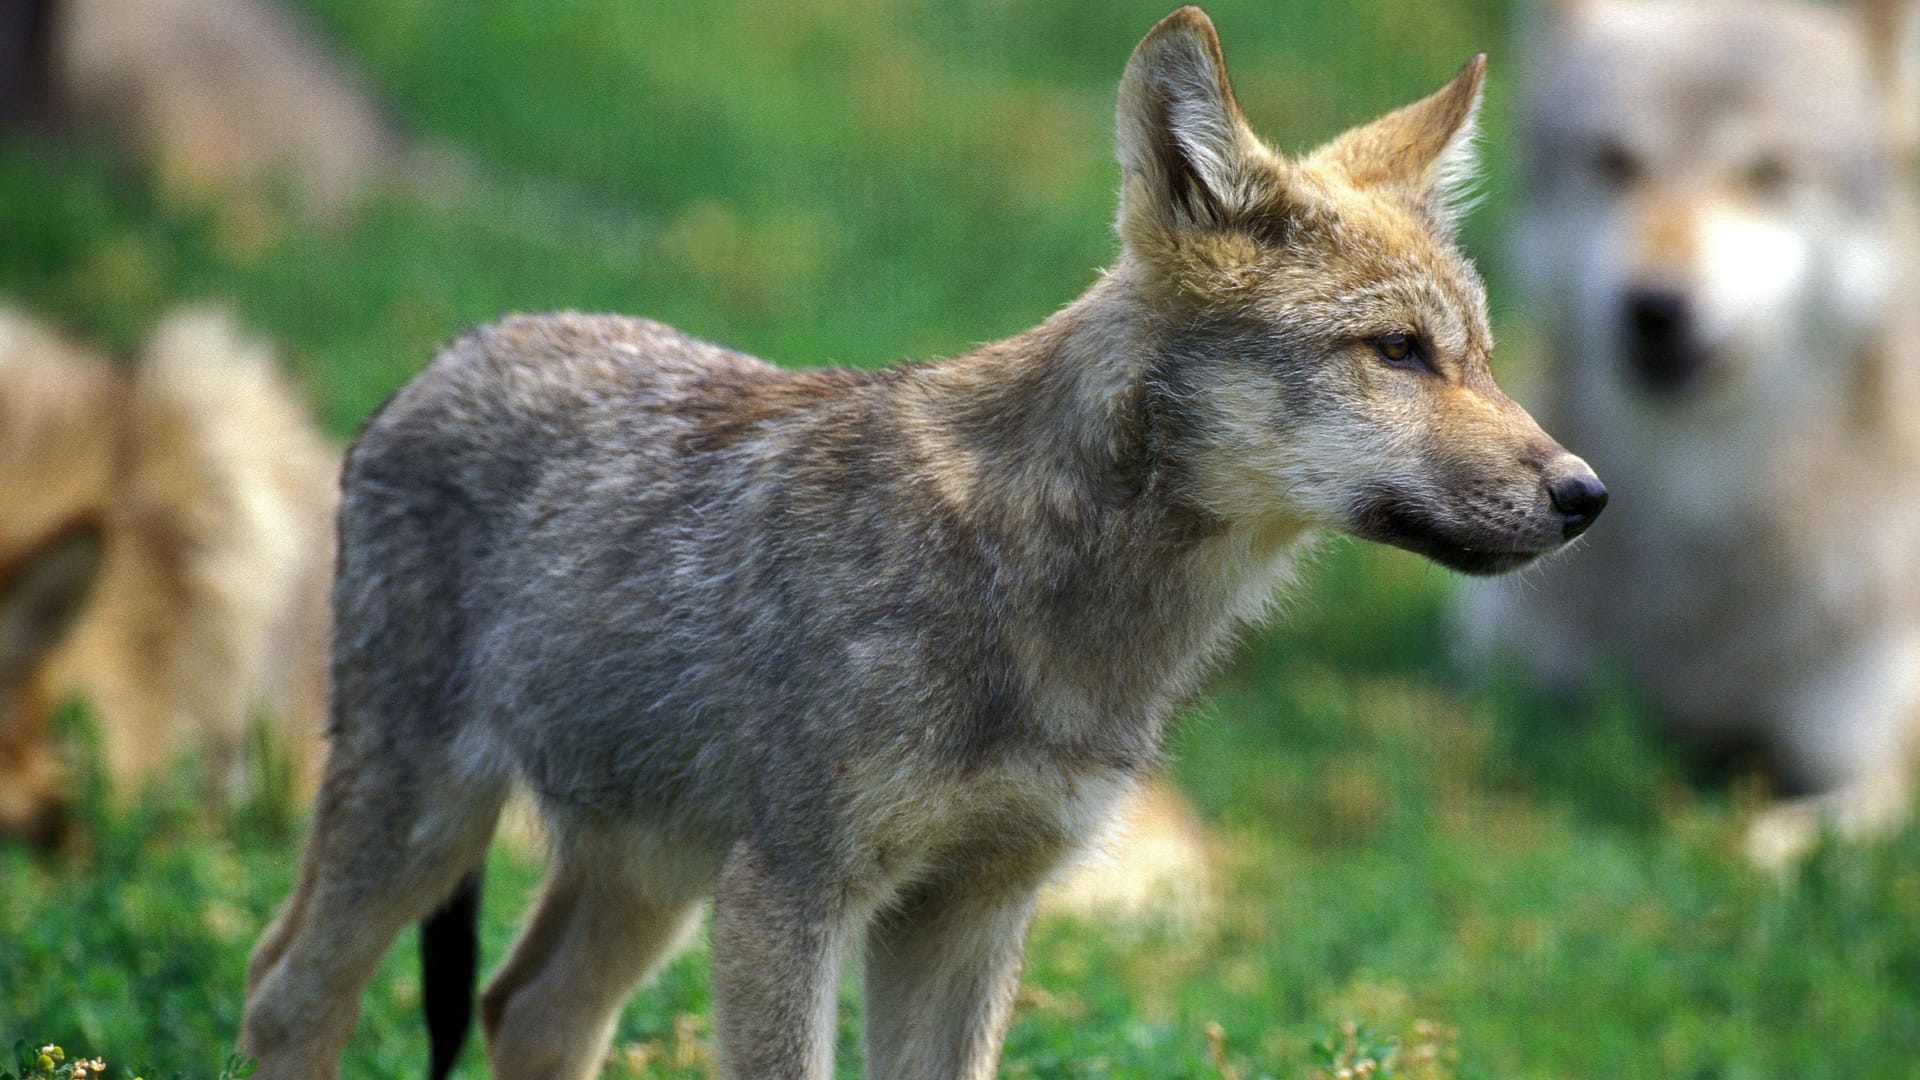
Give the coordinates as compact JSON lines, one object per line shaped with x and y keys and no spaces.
{"x":1506,"y":885}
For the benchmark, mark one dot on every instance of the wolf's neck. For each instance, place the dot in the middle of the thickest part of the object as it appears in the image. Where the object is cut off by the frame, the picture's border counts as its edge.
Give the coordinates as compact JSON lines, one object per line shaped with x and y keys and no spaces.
{"x":1056,"y":445}
{"x":1055,"y":414}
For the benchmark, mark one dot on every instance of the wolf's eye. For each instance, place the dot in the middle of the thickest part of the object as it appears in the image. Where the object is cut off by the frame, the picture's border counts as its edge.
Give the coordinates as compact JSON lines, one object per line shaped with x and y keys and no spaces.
{"x":1401,"y":350}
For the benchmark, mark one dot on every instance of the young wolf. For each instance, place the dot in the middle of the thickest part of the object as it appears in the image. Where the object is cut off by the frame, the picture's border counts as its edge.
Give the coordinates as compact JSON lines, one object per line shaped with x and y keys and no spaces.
{"x":865,"y":654}
{"x":164,"y":553}
{"x":1721,"y":229}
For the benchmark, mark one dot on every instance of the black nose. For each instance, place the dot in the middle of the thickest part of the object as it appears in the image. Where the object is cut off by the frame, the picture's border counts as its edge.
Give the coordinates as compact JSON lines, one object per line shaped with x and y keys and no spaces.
{"x":1661,"y":345}
{"x":1579,"y":499}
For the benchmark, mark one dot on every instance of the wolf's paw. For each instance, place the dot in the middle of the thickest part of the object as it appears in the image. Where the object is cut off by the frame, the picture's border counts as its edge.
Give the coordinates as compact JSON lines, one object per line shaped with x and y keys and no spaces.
{"x":1782,"y":834}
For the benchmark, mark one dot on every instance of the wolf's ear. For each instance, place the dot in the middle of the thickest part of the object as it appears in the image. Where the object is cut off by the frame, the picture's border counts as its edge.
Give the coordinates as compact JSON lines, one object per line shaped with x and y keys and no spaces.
{"x":44,"y":596}
{"x":1182,"y":142}
{"x":1892,"y":29}
{"x":1425,"y":150}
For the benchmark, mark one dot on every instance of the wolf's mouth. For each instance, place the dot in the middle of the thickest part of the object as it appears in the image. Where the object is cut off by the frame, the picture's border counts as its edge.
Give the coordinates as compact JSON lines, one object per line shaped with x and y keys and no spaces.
{"x":1390,"y":520}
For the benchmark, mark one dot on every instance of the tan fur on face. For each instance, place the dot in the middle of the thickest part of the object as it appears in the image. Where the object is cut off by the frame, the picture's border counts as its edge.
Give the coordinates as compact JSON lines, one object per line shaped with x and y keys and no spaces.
{"x":1666,"y":238}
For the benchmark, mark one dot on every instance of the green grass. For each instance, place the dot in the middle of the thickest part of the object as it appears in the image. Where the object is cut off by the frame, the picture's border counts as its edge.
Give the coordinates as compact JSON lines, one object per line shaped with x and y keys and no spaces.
{"x":1536,"y":881}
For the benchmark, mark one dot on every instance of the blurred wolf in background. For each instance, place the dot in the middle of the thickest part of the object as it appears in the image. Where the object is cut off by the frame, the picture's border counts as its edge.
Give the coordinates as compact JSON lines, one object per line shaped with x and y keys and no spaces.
{"x":238,"y":101}
{"x":1720,"y":235}
{"x":165,"y":545}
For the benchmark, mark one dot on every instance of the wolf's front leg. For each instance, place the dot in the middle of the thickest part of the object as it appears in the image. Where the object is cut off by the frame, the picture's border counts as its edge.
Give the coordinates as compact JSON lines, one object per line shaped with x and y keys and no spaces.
{"x":942,"y":971}
{"x":778,"y":938}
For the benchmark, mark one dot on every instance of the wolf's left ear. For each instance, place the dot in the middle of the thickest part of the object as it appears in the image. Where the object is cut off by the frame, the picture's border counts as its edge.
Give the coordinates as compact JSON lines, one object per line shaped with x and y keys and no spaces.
{"x":1182,"y":141}
{"x":1425,"y":150}
{"x":1892,"y":29}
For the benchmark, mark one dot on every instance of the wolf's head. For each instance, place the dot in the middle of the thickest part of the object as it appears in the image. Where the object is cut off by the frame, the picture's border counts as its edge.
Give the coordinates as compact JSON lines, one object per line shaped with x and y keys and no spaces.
{"x":1712,"y":187}
{"x":1328,"y":353}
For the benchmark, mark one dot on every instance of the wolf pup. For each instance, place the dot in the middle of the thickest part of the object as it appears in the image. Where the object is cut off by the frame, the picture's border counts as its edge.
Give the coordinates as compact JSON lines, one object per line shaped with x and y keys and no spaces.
{"x":164,"y":553}
{"x":1721,"y":231}
{"x":863,"y":655}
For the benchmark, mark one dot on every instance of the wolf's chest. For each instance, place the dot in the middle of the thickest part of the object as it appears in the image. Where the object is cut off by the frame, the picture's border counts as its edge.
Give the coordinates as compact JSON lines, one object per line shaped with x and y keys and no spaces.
{"x":1022,"y":817}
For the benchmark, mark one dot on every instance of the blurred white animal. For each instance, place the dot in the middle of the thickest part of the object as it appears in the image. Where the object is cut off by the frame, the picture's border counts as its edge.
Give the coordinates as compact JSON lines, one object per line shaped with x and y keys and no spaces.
{"x":1720,"y":236}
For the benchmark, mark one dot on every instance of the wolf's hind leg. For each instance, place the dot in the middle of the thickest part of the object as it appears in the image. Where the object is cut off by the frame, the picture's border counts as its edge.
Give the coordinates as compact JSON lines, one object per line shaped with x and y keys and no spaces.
{"x":597,"y":933}
{"x":386,"y":845}
{"x":941,"y":975}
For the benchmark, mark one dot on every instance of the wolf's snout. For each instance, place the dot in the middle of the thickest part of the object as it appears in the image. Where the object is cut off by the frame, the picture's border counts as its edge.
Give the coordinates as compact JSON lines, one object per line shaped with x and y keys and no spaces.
{"x":1579,"y":498}
{"x":1662,"y":345}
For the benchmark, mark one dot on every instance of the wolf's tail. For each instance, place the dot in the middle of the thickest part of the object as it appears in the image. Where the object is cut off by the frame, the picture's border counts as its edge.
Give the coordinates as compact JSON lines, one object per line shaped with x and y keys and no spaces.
{"x":449,"y":962}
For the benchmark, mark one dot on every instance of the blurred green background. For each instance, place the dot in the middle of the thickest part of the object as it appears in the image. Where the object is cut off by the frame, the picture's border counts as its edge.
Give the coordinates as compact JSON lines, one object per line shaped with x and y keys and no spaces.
{"x":1524,"y":887}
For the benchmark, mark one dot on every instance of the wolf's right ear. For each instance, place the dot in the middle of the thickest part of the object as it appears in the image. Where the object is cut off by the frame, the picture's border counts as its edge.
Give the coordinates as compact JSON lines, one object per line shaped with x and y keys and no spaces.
{"x":44,"y":596}
{"x":1183,"y":143}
